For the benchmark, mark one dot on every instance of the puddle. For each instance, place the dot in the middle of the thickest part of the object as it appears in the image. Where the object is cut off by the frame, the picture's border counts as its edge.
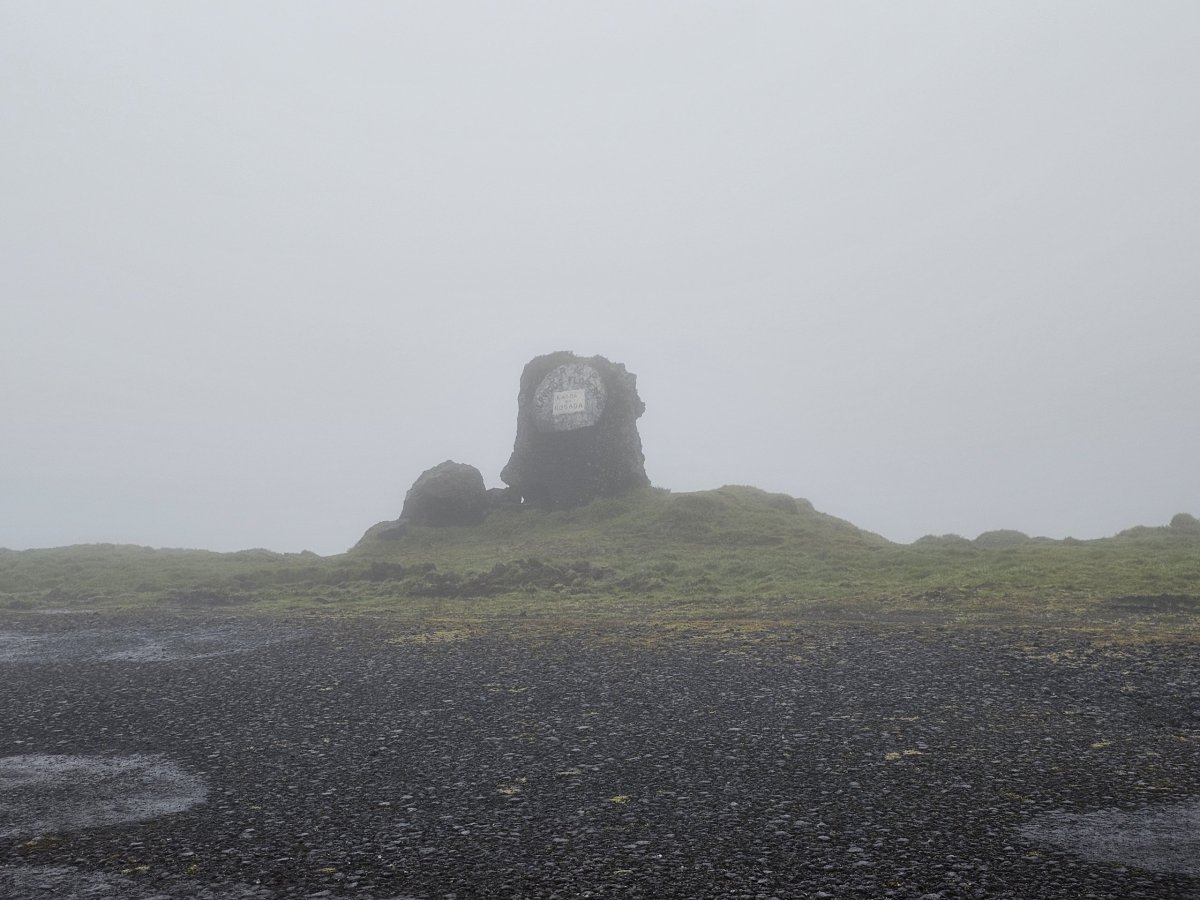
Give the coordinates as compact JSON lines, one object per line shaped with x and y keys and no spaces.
{"x":142,"y":644}
{"x":41,"y":793}
{"x":56,"y":882}
{"x":1161,"y":839}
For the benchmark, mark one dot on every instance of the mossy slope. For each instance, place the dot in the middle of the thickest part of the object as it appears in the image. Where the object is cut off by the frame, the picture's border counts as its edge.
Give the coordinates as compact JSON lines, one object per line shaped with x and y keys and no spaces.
{"x":735,"y":545}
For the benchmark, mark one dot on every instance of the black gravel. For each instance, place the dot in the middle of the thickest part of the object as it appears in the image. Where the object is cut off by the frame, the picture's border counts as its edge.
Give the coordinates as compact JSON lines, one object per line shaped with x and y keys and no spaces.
{"x":355,"y":759}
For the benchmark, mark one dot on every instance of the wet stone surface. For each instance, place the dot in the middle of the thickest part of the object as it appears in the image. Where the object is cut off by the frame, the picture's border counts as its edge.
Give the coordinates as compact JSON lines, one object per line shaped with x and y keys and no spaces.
{"x":44,"y":793}
{"x":363,"y":759}
{"x":1164,"y":839}
{"x":138,"y":643}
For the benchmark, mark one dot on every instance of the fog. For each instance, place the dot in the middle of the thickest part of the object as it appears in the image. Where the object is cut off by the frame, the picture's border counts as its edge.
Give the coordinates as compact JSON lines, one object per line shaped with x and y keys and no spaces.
{"x":931,"y":266}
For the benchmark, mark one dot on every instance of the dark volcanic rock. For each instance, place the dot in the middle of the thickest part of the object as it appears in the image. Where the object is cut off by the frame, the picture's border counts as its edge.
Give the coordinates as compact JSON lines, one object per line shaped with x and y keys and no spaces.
{"x":502,"y":497}
{"x":391,"y":530}
{"x":448,"y":494}
{"x":373,"y":757}
{"x":1185,"y":523}
{"x":577,"y":435}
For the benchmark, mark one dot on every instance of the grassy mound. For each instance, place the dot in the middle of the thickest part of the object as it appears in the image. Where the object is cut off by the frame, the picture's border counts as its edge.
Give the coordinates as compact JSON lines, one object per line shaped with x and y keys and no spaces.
{"x":646,"y":549}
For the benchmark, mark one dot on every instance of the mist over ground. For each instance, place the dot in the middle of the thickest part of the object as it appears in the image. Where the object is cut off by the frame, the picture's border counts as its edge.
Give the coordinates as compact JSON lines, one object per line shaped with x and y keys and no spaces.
{"x":932,"y":267}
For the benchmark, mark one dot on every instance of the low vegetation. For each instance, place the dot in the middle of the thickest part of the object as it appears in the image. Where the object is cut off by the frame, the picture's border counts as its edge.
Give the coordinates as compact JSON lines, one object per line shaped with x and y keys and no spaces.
{"x":731,"y":553}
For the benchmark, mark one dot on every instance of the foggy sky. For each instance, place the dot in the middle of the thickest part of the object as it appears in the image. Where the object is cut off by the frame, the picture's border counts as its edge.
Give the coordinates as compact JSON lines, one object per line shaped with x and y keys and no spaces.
{"x":932,"y":266}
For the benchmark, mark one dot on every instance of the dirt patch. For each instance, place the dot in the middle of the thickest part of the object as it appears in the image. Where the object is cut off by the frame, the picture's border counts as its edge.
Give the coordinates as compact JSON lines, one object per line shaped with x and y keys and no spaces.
{"x":1158,"y":603}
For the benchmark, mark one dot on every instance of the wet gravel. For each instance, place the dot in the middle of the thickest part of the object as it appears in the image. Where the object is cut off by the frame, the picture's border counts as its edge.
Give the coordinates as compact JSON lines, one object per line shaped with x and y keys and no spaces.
{"x":357,"y":759}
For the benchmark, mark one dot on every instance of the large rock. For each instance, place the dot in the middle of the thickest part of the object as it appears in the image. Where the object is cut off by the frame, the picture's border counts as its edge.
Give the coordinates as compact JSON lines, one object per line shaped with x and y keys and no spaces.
{"x":1185,"y":523}
{"x":577,"y":435}
{"x":448,"y":494}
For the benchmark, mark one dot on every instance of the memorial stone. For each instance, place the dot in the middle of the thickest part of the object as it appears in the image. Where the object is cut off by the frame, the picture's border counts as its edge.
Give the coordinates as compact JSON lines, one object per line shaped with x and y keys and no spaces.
{"x":577,"y":435}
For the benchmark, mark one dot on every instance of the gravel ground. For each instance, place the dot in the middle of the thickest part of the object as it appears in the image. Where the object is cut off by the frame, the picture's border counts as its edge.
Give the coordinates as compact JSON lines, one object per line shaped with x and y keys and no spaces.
{"x":356,"y":759}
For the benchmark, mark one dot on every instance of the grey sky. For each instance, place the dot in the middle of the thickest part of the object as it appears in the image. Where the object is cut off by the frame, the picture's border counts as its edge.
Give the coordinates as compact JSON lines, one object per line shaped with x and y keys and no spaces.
{"x":933,"y":266}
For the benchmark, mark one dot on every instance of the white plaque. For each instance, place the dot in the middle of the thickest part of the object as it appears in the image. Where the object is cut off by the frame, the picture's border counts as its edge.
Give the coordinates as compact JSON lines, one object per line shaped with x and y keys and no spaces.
{"x":567,"y":402}
{"x":568,"y":398}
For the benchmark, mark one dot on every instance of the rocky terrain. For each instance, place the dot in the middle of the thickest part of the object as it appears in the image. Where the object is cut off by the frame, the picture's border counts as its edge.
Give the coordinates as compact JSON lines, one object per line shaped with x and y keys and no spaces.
{"x":152,"y":756}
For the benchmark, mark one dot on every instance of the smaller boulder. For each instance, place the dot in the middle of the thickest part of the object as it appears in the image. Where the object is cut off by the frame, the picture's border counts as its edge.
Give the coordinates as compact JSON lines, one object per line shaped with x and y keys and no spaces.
{"x":448,"y":494}
{"x":1185,"y":523}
